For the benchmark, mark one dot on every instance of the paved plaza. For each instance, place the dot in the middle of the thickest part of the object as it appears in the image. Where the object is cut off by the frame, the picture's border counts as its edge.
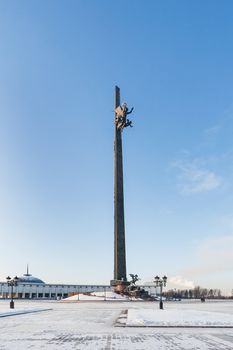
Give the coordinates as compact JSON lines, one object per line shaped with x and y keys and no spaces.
{"x":92,"y":325}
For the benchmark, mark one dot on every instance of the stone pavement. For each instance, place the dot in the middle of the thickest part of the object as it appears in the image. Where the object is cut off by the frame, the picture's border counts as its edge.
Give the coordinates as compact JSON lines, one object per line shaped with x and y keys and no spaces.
{"x":91,"y":326}
{"x":117,"y":341}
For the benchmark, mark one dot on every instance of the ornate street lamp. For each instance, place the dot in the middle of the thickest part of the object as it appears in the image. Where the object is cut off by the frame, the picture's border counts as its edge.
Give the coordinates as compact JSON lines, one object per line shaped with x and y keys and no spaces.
{"x":160,"y":282}
{"x":12,"y":282}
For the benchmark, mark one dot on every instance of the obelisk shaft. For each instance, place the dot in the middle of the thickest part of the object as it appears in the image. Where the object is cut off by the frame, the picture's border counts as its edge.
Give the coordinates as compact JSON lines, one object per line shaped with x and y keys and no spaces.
{"x":119,"y":221}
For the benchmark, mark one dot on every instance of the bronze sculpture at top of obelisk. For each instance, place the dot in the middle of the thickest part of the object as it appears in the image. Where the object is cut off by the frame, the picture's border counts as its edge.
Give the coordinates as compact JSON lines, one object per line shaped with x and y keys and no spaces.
{"x":120,"y":278}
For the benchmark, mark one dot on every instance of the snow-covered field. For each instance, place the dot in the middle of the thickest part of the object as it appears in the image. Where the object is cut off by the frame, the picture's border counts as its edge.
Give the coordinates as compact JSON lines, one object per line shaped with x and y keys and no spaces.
{"x":91,"y":325}
{"x":97,"y":296}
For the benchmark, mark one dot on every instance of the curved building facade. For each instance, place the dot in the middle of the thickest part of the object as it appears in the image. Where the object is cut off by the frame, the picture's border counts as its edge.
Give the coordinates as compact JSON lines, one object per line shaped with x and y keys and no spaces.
{"x":31,"y":287}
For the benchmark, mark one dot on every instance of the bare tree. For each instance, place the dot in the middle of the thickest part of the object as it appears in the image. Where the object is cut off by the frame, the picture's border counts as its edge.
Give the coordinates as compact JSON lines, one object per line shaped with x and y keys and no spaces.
{"x":196,"y":292}
{"x":190,"y":293}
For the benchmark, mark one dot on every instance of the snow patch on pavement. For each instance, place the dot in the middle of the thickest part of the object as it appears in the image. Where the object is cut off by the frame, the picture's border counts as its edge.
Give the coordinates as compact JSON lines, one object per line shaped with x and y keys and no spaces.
{"x":13,"y":312}
{"x":177,"y":318}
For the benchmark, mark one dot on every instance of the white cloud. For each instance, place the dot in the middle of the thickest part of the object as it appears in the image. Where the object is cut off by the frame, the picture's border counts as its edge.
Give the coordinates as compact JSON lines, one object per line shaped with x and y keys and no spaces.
{"x":210,"y":267}
{"x":213,"y":255}
{"x":180,"y":282}
{"x":212,"y":131}
{"x":194,"y":179}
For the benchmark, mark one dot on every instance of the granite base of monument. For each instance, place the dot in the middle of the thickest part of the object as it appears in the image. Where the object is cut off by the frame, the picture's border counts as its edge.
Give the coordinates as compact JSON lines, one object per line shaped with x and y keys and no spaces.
{"x":120,"y":287}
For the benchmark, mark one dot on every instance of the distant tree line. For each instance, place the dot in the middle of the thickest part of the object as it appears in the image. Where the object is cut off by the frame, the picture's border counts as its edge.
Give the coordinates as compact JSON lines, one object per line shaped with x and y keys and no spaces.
{"x":195,"y":293}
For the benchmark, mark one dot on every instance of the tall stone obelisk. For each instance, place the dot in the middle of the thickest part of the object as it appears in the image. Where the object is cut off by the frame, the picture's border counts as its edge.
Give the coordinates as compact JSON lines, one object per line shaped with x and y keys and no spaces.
{"x":120,"y":278}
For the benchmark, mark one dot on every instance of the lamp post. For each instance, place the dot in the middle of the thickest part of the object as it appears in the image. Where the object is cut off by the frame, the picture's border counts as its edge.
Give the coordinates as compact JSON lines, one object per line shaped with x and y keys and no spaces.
{"x":161,"y":282}
{"x":12,"y":282}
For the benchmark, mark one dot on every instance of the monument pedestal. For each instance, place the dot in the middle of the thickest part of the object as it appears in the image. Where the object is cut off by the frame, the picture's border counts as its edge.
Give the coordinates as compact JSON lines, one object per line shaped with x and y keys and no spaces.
{"x":119,"y":286}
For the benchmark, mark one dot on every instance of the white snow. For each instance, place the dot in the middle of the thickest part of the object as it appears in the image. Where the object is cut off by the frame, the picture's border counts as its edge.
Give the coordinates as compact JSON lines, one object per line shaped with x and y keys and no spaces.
{"x":91,"y":326}
{"x":11,"y":312}
{"x":177,"y":318}
{"x":100,"y":296}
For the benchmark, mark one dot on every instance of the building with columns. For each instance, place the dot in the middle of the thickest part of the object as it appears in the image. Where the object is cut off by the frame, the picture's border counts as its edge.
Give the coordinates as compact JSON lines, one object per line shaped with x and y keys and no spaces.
{"x":31,"y":287}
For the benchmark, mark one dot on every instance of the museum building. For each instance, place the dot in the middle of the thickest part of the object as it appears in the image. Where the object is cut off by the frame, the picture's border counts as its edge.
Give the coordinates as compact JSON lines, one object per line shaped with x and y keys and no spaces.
{"x":30,"y":287}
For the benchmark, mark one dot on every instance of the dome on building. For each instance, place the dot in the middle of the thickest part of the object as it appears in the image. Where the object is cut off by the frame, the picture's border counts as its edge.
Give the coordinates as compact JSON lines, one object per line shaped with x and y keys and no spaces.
{"x":28,"y":278}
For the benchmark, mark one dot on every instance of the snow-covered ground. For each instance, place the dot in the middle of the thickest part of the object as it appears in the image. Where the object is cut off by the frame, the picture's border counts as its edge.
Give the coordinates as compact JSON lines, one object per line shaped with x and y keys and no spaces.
{"x":5,"y":312}
{"x":177,"y":318}
{"x":91,"y":326}
{"x":97,"y":296}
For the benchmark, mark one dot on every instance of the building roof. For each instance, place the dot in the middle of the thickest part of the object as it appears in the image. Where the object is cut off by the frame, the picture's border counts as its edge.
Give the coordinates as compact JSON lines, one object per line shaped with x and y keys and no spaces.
{"x":28,"y":278}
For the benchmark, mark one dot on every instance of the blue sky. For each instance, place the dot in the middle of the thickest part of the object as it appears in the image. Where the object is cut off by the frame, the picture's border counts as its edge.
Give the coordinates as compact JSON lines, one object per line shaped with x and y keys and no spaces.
{"x":59,"y":63}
